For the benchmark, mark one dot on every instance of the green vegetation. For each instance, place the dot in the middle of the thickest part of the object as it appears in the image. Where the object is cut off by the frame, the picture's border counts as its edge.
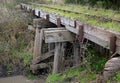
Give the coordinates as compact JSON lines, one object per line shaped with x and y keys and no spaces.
{"x":113,"y":25}
{"x":78,"y":74}
{"x":16,"y":41}
{"x":114,"y":4}
{"x":93,"y":63}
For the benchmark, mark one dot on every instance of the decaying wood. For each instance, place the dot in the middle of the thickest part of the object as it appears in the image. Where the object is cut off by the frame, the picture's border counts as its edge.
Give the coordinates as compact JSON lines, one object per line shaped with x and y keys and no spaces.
{"x":58,"y":36}
{"x":47,"y":18}
{"x":95,"y":34}
{"x":112,"y":44}
{"x":37,"y":22}
{"x":56,"y":58}
{"x":43,"y":57}
{"x":81,"y":33}
{"x":36,"y":44}
{"x":51,"y":46}
{"x":40,"y":42}
{"x":39,"y":66}
{"x":76,"y":53}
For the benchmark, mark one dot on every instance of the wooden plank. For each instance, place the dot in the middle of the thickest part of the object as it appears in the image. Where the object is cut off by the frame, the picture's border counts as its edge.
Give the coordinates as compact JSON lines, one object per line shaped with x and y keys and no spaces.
{"x":36,"y":12}
{"x":101,"y":37}
{"x":66,"y":21}
{"x":39,"y":66}
{"x":96,"y":40}
{"x":41,"y":13}
{"x":72,"y":29}
{"x":49,"y":29}
{"x":43,"y":57}
{"x":58,"y":36}
{"x":36,"y":44}
{"x":62,"y":19}
{"x":72,"y":22}
{"x":53,"y":18}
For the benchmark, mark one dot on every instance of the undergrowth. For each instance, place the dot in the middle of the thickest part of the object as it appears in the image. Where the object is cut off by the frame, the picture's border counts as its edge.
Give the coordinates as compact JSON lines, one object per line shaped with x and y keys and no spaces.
{"x":92,"y":64}
{"x":15,"y":39}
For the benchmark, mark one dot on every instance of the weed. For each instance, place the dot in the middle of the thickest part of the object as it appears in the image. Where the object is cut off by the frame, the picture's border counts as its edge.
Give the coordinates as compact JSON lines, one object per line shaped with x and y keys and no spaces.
{"x":80,"y":74}
{"x":30,"y":76}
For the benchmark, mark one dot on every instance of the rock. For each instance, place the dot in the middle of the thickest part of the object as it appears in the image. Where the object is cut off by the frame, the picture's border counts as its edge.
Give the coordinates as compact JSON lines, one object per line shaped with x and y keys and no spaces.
{"x":112,"y":67}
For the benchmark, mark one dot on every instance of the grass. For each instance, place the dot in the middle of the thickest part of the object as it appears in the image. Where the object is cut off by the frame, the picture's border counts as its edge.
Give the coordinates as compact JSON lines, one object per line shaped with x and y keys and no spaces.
{"x":87,"y":73}
{"x":27,"y":57}
{"x":80,"y":74}
{"x":82,"y":17}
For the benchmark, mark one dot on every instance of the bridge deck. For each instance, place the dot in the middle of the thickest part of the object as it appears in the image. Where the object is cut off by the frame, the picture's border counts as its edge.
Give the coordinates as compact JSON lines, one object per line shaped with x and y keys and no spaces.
{"x":103,"y":37}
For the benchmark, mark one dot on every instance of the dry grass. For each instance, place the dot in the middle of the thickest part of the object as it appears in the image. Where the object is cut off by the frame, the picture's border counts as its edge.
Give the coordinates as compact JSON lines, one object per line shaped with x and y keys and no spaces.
{"x":13,"y":25}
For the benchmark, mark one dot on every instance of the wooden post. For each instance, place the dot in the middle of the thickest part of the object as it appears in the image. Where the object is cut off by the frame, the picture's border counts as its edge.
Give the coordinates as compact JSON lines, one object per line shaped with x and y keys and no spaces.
{"x":56,"y":64}
{"x":58,"y":22}
{"x":36,"y":44}
{"x":75,"y":23}
{"x":47,"y":18}
{"x":80,"y":38}
{"x":40,"y":42}
{"x":76,"y":52}
{"x":81,"y":33}
{"x":39,"y":13}
{"x":62,"y":56}
{"x":33,"y":12}
{"x":21,"y":6}
{"x":112,"y":44}
{"x":57,"y":56}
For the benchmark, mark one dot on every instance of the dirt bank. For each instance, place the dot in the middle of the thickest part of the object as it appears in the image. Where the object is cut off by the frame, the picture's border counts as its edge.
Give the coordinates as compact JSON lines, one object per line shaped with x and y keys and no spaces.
{"x":20,"y":79}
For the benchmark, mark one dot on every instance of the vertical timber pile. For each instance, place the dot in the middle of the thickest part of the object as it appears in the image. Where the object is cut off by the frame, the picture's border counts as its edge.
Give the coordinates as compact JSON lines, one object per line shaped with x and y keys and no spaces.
{"x":50,"y":45}
{"x":81,"y":39}
{"x":58,"y":53}
{"x":112,"y":44}
{"x":38,"y":24}
{"x":36,"y":44}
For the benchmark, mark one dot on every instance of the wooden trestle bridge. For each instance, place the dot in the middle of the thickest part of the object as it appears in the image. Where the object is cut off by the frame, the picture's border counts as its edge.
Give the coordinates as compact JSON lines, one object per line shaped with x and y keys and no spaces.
{"x":67,"y":30}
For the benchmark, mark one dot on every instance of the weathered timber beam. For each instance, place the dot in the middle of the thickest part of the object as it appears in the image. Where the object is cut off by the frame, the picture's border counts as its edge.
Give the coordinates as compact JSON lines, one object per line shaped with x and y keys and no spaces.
{"x":39,"y":66}
{"x":53,"y":36}
{"x":43,"y":57}
{"x":36,"y":44}
{"x":56,"y":58}
{"x":81,"y":33}
{"x":112,"y":44}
